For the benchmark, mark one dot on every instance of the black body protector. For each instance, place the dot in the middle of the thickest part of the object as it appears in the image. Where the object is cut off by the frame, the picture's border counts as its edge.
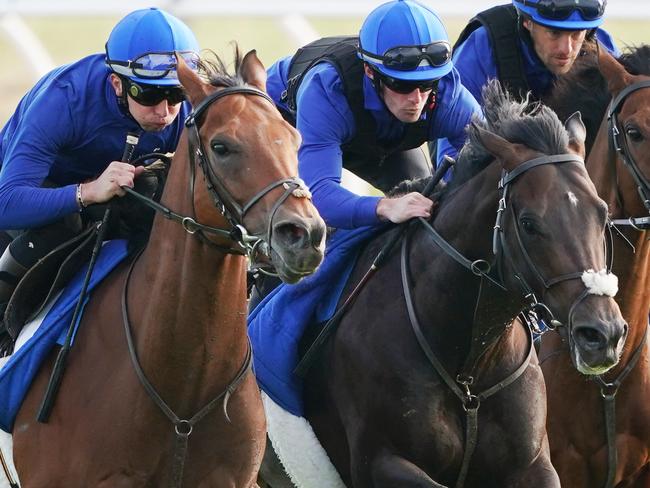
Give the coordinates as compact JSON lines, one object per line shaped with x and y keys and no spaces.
{"x":502,"y":25}
{"x":364,"y":148}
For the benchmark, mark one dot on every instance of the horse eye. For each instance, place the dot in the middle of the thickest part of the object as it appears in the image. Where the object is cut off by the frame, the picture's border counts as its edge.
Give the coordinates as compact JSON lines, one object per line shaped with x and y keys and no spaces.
{"x":529,"y":226}
{"x":634,"y":134}
{"x":219,"y":148}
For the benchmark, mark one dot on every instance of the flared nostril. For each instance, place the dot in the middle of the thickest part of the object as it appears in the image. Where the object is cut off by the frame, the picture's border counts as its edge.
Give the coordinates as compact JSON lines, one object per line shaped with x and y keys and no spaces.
{"x":292,"y":235}
{"x":590,"y":338}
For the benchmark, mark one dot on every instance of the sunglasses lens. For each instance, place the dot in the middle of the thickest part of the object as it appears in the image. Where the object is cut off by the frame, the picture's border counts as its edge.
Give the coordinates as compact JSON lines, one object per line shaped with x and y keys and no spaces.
{"x":153,"y":95}
{"x":404,"y":87}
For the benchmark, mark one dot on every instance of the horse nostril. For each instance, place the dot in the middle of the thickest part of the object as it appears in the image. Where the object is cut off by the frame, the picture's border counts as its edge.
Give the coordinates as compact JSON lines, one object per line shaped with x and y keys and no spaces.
{"x":292,"y":235}
{"x":590,"y":337}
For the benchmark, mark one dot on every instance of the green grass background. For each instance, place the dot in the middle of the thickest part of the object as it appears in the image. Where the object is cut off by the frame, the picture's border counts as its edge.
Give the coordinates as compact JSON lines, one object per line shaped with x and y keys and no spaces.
{"x":70,"y":38}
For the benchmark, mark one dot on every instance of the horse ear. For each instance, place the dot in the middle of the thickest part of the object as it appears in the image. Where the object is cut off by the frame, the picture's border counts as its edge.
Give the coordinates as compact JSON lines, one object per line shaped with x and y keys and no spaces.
{"x":195,"y":89}
{"x":613,"y":71}
{"x":508,"y":153}
{"x":252,"y":71}
{"x":577,"y":133}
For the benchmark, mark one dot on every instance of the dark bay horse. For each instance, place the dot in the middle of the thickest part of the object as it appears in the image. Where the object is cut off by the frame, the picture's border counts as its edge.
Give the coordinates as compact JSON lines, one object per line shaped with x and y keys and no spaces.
{"x":184,"y":298}
{"x":599,"y":431}
{"x":427,"y":342}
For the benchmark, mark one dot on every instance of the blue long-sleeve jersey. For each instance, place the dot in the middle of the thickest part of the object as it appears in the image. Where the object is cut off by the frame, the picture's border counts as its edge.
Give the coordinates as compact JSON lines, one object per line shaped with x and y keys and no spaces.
{"x":66,"y":129}
{"x":325,"y":122}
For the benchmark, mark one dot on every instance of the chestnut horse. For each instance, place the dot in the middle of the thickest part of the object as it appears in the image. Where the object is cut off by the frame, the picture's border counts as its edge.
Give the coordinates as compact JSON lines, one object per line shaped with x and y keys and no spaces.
{"x":124,"y":413}
{"x":599,"y":431}
{"x":425,"y":383}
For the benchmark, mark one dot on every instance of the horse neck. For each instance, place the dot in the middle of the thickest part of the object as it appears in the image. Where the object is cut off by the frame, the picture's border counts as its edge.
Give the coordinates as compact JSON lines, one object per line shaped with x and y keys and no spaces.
{"x":187,"y":300}
{"x":466,"y":222}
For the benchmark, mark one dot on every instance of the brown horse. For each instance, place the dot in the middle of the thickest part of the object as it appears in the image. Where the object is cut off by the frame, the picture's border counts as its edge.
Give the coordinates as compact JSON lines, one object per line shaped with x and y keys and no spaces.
{"x":184,"y":298}
{"x":599,"y":431}
{"x":428,"y":341}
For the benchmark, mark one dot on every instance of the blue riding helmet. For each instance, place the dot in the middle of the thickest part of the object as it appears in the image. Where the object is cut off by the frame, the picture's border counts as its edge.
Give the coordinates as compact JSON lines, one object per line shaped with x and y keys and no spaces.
{"x":564,"y":14}
{"x":142,"y":46}
{"x":405,"y":40}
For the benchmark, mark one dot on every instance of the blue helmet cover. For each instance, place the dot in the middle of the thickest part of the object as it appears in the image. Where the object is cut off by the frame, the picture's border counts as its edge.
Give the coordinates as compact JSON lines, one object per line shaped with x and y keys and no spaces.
{"x":574,"y":22}
{"x":150,"y":30}
{"x":403,"y":23}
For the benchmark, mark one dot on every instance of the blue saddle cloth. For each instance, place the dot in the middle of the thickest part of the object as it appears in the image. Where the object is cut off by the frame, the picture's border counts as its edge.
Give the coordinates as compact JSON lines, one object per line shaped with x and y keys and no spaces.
{"x":17,"y":374}
{"x":277,"y":324}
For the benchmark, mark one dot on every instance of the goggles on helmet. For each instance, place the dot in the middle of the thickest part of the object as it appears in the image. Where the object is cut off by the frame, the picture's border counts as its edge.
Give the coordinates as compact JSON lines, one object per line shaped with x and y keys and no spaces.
{"x":408,"y":58}
{"x":150,"y":95}
{"x":404,"y":87}
{"x":562,"y":9}
{"x":153,"y":66}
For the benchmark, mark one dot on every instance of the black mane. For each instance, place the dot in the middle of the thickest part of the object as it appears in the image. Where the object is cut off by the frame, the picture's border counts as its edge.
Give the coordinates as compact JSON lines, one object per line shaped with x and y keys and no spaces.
{"x":584,"y":88}
{"x":521,"y":122}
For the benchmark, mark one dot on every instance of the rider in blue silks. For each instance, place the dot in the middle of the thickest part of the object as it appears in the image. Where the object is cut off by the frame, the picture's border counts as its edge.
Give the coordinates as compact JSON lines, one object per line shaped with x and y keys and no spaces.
{"x":527,"y":45}
{"x":60,"y":151}
{"x":366,"y":104}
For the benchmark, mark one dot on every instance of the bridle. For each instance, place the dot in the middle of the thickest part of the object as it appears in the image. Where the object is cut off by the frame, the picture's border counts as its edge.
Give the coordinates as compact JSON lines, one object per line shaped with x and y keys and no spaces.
{"x":618,"y":143}
{"x":462,"y":384}
{"x":245,"y":243}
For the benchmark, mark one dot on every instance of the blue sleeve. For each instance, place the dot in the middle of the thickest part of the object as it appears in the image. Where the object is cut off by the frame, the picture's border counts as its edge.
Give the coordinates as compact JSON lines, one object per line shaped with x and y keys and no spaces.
{"x":44,"y":129}
{"x":325,"y":122}
{"x":475,"y":62}
{"x":456,"y":108}
{"x":276,"y":80}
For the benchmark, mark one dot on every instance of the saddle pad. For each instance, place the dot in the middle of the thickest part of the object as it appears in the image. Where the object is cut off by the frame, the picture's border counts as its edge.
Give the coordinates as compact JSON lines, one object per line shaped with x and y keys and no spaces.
{"x":277,"y":324}
{"x":19,"y":371}
{"x":301,"y":454}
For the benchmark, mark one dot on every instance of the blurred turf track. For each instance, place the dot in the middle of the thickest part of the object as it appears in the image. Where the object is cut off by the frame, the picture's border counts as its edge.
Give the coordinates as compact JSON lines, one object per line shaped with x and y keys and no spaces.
{"x":69,"y":38}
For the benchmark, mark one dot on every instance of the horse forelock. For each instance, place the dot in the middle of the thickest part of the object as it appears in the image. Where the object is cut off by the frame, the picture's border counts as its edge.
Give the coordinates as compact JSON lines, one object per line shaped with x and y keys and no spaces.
{"x":519,"y":122}
{"x":215,"y":70}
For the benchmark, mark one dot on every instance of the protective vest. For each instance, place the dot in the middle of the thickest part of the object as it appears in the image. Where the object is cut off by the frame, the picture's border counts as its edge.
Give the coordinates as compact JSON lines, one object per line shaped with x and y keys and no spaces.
{"x":502,"y":26}
{"x":341,"y":52}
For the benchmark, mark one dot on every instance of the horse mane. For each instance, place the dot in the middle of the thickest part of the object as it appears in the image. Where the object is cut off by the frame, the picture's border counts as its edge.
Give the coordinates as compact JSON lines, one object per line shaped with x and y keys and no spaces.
{"x":520,"y":122}
{"x":585,"y":89}
{"x":215,"y":70}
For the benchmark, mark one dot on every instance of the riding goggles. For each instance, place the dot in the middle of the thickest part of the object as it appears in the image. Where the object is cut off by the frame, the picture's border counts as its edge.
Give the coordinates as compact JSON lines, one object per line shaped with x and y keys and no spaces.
{"x":405,"y":87}
{"x":154,"y":66}
{"x":562,"y":9}
{"x":150,"y":95}
{"x":408,"y":58}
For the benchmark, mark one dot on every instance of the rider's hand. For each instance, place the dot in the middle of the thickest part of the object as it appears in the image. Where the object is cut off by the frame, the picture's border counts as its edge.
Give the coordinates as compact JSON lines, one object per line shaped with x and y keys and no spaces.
{"x":110,"y":182}
{"x":404,"y":208}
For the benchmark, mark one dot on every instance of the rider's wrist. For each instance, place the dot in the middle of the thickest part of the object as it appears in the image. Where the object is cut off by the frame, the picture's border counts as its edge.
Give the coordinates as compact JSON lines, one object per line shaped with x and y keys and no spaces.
{"x":80,"y":200}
